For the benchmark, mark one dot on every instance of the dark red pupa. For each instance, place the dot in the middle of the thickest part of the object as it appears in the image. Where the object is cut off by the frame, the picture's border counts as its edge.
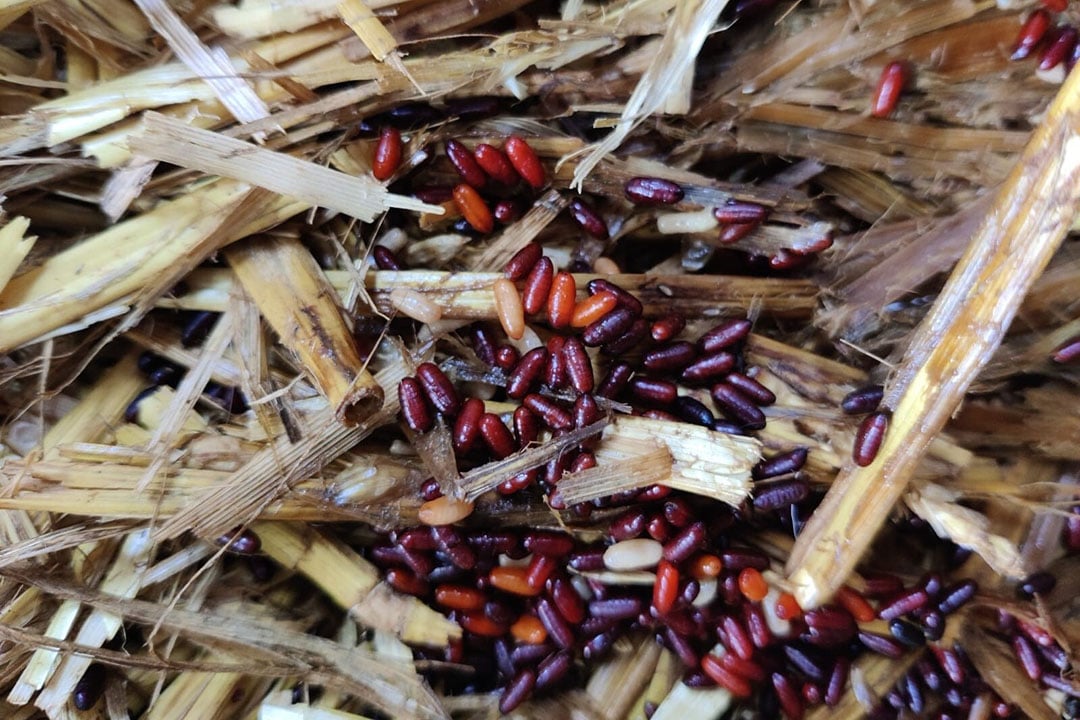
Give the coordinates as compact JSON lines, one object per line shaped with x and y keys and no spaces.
{"x":709,"y":367}
{"x":496,"y":436}
{"x":1059,"y":50}
{"x":553,"y":669}
{"x":553,"y":415}
{"x":465,"y":164}
{"x":652,"y":191}
{"x":691,"y":539}
{"x":881,"y":645}
{"x":829,"y":625}
{"x":790,"y":701}
{"x":435,"y":195}
{"x":751,"y":388}
{"x":609,"y":327}
{"x":615,"y":381}
{"x":672,"y":357}
{"x":414,"y":407}
{"x":523,"y":261}
{"x":242,"y":541}
{"x":558,"y":629}
{"x":589,"y":220}
{"x":737,"y":406}
{"x":517,"y":690}
{"x":678,"y":512}
{"x":621,"y":345}
{"x":724,"y":335}
{"x":578,"y":366}
{"x":837,"y":680}
{"x":429,"y":489}
{"x":735,"y":638}
{"x":440,"y":391}
{"x":467,"y":425}
{"x":90,"y":687}
{"x":903,"y":603}
{"x":554,"y":375}
{"x":1029,"y":659}
{"x":419,"y":562}
{"x":526,"y":426}
{"x":740,"y":558}
{"x":526,"y":373}
{"x":956,"y":595}
{"x":780,"y":494}
{"x":537,"y":287}
{"x":385,"y":259}
{"x":782,"y":464}
{"x":628,"y":525}
{"x":506,"y":357}
{"x":653,"y":391}
{"x":736,"y":212}
{"x":506,"y":211}
{"x":862,"y":400}
{"x":868,"y":438}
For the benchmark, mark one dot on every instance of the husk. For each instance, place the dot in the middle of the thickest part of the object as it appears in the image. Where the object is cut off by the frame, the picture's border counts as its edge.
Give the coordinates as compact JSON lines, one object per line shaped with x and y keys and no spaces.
{"x":637,"y":452}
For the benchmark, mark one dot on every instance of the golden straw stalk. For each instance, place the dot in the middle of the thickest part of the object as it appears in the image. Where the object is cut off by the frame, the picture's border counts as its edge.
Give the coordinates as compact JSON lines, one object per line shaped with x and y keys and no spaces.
{"x":14,"y":246}
{"x":469,"y":296}
{"x":1032,"y":212}
{"x":126,"y":259}
{"x":297,"y":300}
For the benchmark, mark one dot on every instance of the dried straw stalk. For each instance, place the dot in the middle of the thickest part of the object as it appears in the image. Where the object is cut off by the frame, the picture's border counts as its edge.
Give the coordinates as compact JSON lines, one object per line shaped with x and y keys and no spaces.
{"x":468,"y":296}
{"x":294,"y":296}
{"x":354,"y":584}
{"x":689,"y":26}
{"x":279,"y":466}
{"x":636,"y":452}
{"x":181,"y":144}
{"x":212,"y":65}
{"x":131,"y":258}
{"x":614,"y":685}
{"x":110,"y":490}
{"x":393,"y":687}
{"x":687,"y":703}
{"x":99,"y":409}
{"x":15,"y":245}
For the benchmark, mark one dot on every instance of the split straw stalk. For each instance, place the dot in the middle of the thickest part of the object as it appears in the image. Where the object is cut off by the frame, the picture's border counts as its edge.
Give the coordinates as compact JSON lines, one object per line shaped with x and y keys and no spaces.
{"x":1032,"y":212}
